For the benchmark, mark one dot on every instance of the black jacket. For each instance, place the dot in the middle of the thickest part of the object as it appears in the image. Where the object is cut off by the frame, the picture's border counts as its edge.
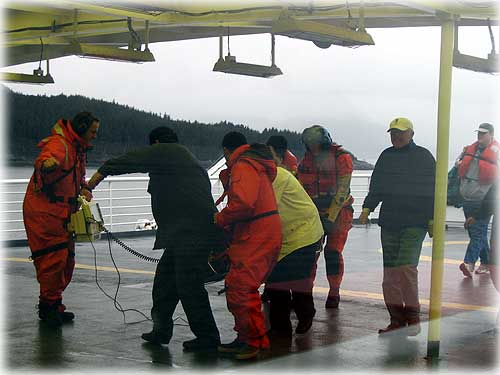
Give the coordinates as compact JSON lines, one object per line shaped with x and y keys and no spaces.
{"x":403,"y":180}
{"x":181,"y":198}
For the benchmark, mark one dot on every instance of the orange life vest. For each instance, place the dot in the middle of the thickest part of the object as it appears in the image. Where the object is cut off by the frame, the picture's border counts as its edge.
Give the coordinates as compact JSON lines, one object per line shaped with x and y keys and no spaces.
{"x":488,"y":162}
{"x":320,"y":181}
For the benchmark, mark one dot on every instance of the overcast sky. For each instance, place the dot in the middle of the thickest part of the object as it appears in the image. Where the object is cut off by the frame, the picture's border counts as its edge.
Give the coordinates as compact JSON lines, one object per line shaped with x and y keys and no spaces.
{"x":355,"y":93}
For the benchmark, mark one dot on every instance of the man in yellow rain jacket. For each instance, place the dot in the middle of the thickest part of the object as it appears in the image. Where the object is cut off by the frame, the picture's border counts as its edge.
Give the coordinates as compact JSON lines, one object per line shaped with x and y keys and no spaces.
{"x":290,"y":283}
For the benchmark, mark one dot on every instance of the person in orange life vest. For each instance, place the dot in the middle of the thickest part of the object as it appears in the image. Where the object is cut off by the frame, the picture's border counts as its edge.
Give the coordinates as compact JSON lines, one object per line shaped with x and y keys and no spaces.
{"x":289,"y":160}
{"x":51,"y":197}
{"x":251,"y":216}
{"x":325,"y":172}
{"x":478,"y":170}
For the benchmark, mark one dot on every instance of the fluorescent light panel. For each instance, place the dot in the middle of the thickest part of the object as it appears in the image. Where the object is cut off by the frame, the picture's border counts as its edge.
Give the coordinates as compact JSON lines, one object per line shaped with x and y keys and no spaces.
{"x":27,"y":78}
{"x":229,"y":65}
{"x":320,"y":32}
{"x":110,"y":53}
{"x":476,"y":64}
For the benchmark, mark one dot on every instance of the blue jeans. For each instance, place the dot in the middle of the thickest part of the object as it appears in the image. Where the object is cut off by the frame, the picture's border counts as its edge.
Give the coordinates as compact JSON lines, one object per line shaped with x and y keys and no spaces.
{"x":478,"y":233}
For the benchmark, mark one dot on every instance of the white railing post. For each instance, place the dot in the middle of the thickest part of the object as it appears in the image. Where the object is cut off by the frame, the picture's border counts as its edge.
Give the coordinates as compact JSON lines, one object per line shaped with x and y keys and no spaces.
{"x":110,"y":200}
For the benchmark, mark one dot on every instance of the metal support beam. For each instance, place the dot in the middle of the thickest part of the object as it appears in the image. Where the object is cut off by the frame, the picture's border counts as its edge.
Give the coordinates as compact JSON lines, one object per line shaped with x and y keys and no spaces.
{"x":443,"y":134}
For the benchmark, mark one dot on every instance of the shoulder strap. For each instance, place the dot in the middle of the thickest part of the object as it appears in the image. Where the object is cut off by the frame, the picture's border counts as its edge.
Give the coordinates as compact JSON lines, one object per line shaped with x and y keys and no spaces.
{"x":494,"y":162}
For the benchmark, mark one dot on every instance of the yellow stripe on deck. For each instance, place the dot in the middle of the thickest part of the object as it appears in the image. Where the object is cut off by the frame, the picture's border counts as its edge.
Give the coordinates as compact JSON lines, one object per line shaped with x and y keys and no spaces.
{"x":322,"y":290}
{"x":380,"y":297}
{"x":89,"y":267}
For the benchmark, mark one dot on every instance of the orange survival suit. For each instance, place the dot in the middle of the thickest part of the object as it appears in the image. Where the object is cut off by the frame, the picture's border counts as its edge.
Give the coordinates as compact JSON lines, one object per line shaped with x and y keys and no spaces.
{"x":252,"y":216}
{"x":290,"y":162}
{"x":49,"y":201}
{"x":320,"y":180}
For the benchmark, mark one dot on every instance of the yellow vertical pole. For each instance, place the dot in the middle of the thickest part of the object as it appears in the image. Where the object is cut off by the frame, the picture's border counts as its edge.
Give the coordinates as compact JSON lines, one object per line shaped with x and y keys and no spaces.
{"x":443,"y":134}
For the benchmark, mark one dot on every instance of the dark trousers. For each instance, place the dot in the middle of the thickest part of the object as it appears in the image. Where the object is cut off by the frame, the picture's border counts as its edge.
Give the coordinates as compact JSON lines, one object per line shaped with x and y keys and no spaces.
{"x":180,"y":276}
{"x":290,"y":286}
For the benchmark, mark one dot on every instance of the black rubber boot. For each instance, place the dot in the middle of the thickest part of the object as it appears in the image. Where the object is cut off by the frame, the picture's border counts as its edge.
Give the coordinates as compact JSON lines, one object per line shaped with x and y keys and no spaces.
{"x":49,"y":314}
{"x":66,"y":316}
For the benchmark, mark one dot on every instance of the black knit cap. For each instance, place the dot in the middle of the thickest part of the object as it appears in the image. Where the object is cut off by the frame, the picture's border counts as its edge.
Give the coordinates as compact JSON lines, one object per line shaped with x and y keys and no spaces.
{"x":233,"y":140}
{"x":162,"y":134}
{"x":278,"y":142}
{"x":82,"y":122}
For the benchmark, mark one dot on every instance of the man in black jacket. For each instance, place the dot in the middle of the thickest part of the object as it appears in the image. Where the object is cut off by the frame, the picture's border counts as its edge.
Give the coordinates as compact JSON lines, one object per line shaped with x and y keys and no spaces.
{"x":403,"y":180}
{"x":183,"y":208}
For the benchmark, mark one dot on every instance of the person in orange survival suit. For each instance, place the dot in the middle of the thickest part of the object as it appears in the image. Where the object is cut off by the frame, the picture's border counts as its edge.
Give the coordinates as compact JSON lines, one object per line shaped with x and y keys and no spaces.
{"x":325,"y":172}
{"x":51,"y":197}
{"x":252,"y":214}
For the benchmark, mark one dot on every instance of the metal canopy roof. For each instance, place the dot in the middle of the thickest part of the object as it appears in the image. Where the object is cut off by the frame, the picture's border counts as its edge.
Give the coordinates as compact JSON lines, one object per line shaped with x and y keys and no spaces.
{"x":28,"y":24}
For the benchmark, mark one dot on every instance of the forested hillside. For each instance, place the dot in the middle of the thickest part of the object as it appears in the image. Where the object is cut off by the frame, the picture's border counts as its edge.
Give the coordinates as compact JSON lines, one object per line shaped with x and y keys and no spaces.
{"x":30,"y":118}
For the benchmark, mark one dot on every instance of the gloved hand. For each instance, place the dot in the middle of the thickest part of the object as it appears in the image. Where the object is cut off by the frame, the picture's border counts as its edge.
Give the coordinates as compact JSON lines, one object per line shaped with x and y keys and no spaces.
{"x":49,"y":164}
{"x":363,"y":217}
{"x":430,"y":228}
{"x":333,"y":212}
{"x":86,"y":193}
{"x":470,"y":221}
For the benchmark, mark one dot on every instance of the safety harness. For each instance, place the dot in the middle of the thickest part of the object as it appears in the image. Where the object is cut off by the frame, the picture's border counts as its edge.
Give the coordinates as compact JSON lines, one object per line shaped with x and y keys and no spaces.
{"x":51,"y":249}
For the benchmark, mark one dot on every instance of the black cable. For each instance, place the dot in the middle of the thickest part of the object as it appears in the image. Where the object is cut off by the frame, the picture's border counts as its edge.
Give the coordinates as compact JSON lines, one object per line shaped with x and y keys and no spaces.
{"x":117,"y":304}
{"x":128,"y":248}
{"x":118,"y":287}
{"x":55,"y":27}
{"x":218,"y":276}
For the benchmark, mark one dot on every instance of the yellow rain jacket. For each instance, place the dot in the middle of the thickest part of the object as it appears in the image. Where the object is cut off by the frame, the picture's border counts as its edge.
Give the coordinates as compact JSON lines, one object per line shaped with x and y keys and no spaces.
{"x":300,"y":221}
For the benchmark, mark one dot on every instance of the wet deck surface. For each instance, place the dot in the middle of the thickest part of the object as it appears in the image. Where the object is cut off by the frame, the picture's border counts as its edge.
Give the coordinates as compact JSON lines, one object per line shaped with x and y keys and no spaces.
{"x":340,"y":339}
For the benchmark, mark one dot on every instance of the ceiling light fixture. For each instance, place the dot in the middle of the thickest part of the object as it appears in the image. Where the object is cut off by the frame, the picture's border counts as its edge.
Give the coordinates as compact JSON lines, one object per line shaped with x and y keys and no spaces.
{"x":321,"y":34}
{"x":109,"y":53}
{"x":37,"y":78}
{"x":228,"y":64}
{"x":491,"y":64}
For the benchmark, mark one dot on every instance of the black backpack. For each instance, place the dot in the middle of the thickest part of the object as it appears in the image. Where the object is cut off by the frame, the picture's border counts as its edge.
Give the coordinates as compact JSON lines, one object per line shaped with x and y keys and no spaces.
{"x":453,"y":197}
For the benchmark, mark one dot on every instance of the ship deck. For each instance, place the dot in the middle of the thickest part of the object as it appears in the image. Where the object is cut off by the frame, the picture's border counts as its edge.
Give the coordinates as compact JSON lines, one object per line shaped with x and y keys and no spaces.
{"x":102,"y":338}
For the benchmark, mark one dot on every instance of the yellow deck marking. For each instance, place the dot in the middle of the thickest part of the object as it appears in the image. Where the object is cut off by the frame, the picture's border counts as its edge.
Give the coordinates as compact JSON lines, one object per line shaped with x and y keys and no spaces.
{"x":377,"y":296}
{"x":427,"y":258}
{"x":429,"y":244}
{"x":318,"y":289}
{"x":89,"y":267}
